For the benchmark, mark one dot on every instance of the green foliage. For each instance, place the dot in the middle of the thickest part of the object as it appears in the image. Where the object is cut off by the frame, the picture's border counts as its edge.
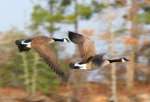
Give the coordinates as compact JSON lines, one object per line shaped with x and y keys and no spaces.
{"x":120,"y":32}
{"x":84,"y":11}
{"x":47,"y":18}
{"x":70,"y":18}
{"x":15,"y":73}
{"x":57,"y":17}
{"x":39,"y":16}
{"x":20,"y":69}
{"x":46,"y":78}
{"x":143,"y":18}
{"x":97,"y":7}
{"x":58,"y":13}
{"x":52,"y":2}
{"x":65,"y":2}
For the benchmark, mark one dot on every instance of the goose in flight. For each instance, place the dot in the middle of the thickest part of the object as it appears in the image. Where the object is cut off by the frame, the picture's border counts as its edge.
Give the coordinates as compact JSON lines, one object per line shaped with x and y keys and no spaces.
{"x":41,"y":45}
{"x":88,"y":55}
{"x":25,"y":44}
{"x":97,"y":60}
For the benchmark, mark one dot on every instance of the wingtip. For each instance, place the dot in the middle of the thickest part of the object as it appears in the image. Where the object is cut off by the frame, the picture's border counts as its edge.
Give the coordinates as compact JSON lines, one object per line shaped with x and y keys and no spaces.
{"x":70,"y":32}
{"x":74,"y":33}
{"x":75,"y":37}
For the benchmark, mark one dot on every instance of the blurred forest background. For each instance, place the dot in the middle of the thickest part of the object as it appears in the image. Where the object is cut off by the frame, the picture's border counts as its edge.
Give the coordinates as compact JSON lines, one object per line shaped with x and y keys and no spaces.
{"x":117,"y":27}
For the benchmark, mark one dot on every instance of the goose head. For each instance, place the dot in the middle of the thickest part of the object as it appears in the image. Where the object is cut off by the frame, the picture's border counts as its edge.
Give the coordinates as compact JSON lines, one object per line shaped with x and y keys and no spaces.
{"x":27,"y":44}
{"x":24,"y":44}
{"x":123,"y":59}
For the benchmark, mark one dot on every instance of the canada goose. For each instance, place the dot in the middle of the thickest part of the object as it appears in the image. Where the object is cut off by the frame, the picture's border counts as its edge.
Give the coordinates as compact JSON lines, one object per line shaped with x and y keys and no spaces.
{"x":88,"y":54}
{"x":41,"y":45}
{"x":96,"y":60}
{"x":25,"y":44}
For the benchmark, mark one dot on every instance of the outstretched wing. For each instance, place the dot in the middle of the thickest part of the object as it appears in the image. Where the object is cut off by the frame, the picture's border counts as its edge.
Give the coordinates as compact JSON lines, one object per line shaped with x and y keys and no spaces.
{"x":49,"y":56}
{"x":85,"y":46}
{"x":41,"y":45}
{"x":46,"y":52}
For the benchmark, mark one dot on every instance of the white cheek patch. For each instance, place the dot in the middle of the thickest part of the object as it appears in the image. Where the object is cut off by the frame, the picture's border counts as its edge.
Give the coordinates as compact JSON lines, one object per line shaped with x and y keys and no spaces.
{"x":106,"y":62}
{"x":123,"y":60}
{"x":28,"y":44}
{"x":66,"y":40}
{"x":81,"y":66}
{"x":51,"y":41}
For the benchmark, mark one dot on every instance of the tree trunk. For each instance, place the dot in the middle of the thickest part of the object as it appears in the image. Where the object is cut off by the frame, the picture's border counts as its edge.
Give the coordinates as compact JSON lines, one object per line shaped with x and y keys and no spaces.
{"x":113,"y":72}
{"x":113,"y":67}
{"x":133,"y":31}
{"x":26,"y":72}
{"x":77,"y":77}
{"x":76,"y":14}
{"x":34,"y":74}
{"x":51,"y":9}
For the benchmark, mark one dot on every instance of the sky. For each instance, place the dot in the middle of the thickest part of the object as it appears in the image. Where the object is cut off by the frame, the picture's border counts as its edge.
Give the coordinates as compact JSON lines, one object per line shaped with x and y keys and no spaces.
{"x":17,"y":13}
{"x":14,"y":13}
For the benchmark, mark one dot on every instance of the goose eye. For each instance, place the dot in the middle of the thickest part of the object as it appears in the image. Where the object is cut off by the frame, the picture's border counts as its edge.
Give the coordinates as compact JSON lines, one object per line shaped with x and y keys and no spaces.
{"x":23,"y":45}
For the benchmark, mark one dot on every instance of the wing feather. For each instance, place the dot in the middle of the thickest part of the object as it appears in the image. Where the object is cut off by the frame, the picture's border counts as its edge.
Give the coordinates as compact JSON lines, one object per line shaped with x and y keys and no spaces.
{"x":49,"y":56}
{"x":41,"y":45}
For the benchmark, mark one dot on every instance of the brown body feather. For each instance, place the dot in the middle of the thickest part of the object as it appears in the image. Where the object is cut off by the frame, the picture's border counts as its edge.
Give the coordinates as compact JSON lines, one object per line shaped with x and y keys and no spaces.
{"x":86,"y":49}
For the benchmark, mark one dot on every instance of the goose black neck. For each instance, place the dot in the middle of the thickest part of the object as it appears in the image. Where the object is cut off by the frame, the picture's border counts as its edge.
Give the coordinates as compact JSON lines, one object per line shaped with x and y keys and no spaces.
{"x":114,"y":60}
{"x":59,"y":40}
